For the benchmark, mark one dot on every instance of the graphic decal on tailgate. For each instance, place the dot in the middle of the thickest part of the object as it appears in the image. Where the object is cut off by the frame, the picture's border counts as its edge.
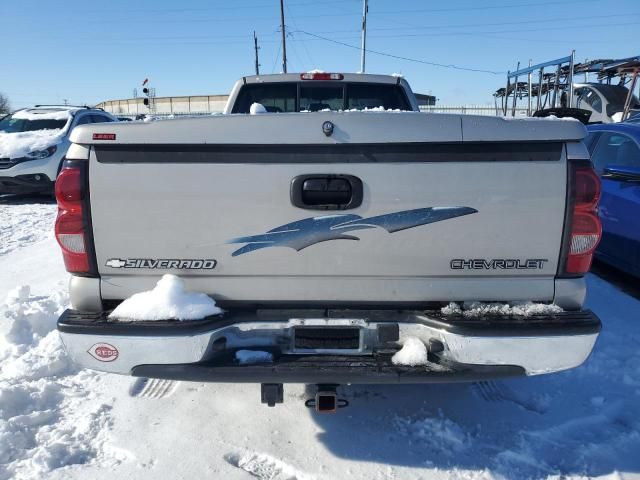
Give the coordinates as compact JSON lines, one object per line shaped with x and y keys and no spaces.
{"x":309,"y":231}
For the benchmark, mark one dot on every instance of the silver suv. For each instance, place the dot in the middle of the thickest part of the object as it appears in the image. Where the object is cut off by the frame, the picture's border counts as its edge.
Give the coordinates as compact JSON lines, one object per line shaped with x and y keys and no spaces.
{"x":34,"y":141}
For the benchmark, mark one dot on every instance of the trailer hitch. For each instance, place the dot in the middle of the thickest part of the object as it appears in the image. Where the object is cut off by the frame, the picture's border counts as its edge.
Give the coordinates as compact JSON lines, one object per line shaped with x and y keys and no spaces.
{"x":326,"y":399}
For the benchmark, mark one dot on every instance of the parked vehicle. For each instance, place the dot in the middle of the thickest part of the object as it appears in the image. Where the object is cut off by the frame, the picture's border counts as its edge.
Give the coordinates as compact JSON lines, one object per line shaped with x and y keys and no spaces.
{"x":634,"y":117}
{"x":615,"y":152}
{"x":332,"y":239}
{"x":34,"y":141}
{"x":606,"y":102}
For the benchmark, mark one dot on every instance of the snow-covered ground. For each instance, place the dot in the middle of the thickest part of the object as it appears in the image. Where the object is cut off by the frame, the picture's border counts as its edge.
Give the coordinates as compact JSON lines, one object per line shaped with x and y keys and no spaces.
{"x":60,"y":423}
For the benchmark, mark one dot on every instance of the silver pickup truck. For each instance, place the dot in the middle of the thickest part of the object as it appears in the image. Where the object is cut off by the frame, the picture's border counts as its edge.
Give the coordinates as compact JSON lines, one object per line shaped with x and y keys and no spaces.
{"x":331,"y":229}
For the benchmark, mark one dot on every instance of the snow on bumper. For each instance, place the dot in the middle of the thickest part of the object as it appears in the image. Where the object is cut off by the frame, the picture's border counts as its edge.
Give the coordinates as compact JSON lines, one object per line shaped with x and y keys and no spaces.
{"x":537,"y":345}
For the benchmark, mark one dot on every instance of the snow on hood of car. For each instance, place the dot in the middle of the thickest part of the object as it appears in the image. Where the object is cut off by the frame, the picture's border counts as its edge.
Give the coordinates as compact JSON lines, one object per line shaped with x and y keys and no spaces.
{"x":19,"y":144}
{"x":42,"y":114}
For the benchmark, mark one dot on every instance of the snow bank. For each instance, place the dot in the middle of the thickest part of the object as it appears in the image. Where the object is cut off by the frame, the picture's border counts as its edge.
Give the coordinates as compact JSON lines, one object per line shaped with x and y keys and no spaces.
{"x":168,"y":300}
{"x":34,"y":114}
{"x":412,"y":353}
{"x":23,"y":225}
{"x":478,"y":309}
{"x":257,"y":108}
{"x":48,"y":414}
{"x":246,"y":357}
{"x":19,"y":144}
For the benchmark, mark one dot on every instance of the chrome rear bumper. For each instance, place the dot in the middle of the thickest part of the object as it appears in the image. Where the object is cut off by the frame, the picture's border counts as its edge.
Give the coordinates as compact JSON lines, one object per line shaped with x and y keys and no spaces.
{"x":460,"y":348}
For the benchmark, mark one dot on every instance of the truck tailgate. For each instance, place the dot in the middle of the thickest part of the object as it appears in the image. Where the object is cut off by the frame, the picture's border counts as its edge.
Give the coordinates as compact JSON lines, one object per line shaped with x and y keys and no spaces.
{"x":447,"y":212}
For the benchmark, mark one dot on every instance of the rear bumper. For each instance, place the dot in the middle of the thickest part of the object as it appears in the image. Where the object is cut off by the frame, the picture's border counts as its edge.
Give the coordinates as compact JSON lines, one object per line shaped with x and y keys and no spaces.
{"x":466,"y":349}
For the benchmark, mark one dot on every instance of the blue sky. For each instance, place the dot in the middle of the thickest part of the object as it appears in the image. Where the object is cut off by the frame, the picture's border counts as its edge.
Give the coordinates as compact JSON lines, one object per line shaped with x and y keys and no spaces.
{"x":86,"y":52}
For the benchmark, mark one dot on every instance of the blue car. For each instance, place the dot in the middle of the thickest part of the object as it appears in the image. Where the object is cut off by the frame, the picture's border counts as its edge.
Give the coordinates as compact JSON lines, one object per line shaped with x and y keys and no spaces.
{"x":615,"y":152}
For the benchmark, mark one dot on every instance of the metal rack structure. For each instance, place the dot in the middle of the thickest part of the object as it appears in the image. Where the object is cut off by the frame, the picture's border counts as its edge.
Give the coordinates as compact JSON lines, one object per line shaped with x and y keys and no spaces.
{"x":554,"y":88}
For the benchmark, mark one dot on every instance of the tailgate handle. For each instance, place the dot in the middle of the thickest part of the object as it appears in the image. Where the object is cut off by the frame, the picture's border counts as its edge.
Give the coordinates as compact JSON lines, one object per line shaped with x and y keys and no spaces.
{"x":326,"y":191}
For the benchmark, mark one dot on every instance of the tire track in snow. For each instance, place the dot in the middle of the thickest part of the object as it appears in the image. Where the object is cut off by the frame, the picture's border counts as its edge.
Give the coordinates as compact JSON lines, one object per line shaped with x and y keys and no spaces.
{"x":265,"y":467}
{"x":491,"y":391}
{"x":153,"y":388}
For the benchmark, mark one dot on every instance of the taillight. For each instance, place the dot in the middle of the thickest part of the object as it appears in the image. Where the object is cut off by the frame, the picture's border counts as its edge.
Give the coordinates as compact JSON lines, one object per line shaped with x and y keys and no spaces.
{"x":321,"y":76}
{"x":586,"y":229}
{"x":71,"y":223}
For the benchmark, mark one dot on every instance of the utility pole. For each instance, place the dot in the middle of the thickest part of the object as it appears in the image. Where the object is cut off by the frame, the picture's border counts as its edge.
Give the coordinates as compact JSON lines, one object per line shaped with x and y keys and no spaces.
{"x":284,"y":41}
{"x":255,"y":46}
{"x":365,"y":10}
{"x":529,"y":92}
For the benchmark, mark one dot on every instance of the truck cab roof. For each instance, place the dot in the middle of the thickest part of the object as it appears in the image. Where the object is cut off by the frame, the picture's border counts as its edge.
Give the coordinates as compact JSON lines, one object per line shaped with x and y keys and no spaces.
{"x":322,"y":76}
{"x":320,"y":91}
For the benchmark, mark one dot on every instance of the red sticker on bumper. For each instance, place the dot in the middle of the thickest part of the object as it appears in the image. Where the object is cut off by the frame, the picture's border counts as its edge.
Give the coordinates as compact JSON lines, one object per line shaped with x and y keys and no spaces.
{"x":103,"y":352}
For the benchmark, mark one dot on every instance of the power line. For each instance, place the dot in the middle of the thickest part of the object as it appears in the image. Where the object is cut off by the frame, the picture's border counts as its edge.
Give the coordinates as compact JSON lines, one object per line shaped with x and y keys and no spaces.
{"x":425,"y":62}
{"x":497,"y":24}
{"x":563,"y":27}
{"x":204,"y":40}
{"x":275,"y":60}
{"x":304,"y":44}
{"x":484,"y":7}
{"x":265,"y":5}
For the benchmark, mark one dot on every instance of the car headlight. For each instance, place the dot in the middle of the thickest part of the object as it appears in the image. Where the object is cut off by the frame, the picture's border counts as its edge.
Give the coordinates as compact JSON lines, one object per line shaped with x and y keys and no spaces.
{"x":38,"y":154}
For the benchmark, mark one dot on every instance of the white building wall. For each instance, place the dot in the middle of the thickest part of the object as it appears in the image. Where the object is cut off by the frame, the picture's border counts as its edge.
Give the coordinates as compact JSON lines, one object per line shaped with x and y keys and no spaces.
{"x":183,"y":105}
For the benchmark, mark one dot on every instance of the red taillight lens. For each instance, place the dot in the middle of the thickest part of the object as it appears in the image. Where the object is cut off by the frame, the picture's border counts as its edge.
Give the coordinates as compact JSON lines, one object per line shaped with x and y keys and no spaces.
{"x":587,"y":188}
{"x":69,"y":188}
{"x":70,"y":223}
{"x":586,"y":229}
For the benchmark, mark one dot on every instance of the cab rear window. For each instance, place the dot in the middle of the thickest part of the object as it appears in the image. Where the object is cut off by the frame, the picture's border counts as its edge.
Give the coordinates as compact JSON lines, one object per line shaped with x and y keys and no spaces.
{"x":275,"y":97}
{"x":307,"y":97}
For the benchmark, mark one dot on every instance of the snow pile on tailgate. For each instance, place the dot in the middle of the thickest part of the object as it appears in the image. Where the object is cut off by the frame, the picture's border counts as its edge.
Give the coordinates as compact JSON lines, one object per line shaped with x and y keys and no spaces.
{"x":167,"y":301}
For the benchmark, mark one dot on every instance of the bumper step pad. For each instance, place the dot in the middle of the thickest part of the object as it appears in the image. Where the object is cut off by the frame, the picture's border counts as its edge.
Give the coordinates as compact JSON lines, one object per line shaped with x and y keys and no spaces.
{"x":369,"y":369}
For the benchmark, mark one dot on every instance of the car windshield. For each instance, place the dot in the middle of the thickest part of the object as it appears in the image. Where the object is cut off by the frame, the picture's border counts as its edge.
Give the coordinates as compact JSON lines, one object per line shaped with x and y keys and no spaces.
{"x":11,"y":124}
